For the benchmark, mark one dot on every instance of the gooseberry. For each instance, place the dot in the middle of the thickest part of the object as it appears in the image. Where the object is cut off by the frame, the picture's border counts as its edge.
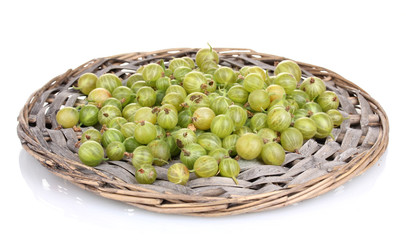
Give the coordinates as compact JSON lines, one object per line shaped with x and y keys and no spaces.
{"x":115,"y":151}
{"x":88,"y":115}
{"x":259,"y":100}
{"x":145,"y":114}
{"x":130,"y":144}
{"x":209,"y":141}
{"x":178,"y":173}
{"x":206,"y":54}
{"x":278,"y":119}
{"x":113,"y":102}
{"x":124,"y":94}
{"x":324,"y":124}
{"x":205,"y":166}
{"x":167,"y":118}
{"x":291,"y":139}
{"x":313,"y":86}
{"x":107,"y":113}
{"x":287,"y":81}
{"x":336,"y":117}
{"x":116,"y":123}
{"x":142,"y":155}
{"x":258,"y":121}
{"x":306,"y":126}
{"x":111,"y":135}
{"x":229,"y":167}
{"x":238,"y":115}
{"x":291,"y":67}
{"x":238,"y":94}
{"x":108,"y":81}
{"x":222,"y":125}
{"x":67,"y":117}
{"x":203,"y":117}
{"x":219,"y":154}
{"x":127,"y":129}
{"x":184,"y":137}
{"x":146,"y":174}
{"x":249,"y":146}
{"x":190,"y":153}
{"x":328,"y":100}
{"x":86,"y":83}
{"x":273,"y":154}
{"x":91,"y":134}
{"x":91,"y":153}
{"x":152,"y":72}
{"x":98,"y":96}
{"x":229,"y":143}
{"x":160,"y":151}
{"x":253,"y":81}
{"x":146,"y":96}
{"x":194,"y":82}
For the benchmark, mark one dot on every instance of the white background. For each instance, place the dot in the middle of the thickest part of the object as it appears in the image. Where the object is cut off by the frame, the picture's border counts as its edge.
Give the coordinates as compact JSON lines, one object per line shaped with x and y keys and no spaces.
{"x":363,"y":41}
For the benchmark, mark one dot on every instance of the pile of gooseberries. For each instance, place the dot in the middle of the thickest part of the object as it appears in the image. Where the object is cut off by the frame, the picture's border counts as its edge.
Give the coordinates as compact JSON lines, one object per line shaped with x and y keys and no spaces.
{"x":207,"y":115}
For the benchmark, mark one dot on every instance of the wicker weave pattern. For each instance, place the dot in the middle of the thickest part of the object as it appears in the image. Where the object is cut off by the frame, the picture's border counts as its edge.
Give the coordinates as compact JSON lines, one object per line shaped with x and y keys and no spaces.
{"x":320,"y":166}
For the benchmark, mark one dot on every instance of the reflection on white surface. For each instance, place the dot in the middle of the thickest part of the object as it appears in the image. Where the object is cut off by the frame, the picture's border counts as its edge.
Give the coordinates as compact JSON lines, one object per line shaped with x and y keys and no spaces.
{"x":86,"y":206}
{"x":63,"y":195}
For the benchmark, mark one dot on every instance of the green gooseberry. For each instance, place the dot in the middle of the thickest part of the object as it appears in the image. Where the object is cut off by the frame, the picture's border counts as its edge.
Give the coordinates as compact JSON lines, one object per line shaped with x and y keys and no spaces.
{"x":91,"y":134}
{"x":287,"y":81}
{"x":124,"y":94}
{"x":222,"y":125}
{"x":291,"y":139}
{"x":229,"y":143}
{"x":142,"y":155}
{"x":306,"y":126}
{"x":328,"y":100}
{"x":336,"y":117}
{"x":178,"y":173}
{"x":152,"y":72}
{"x":146,"y":174}
{"x":219,"y":154}
{"x":116,"y":123}
{"x":313,"y":86}
{"x":107,"y":113}
{"x":278,"y":119}
{"x":289,"y":66}
{"x":273,"y":154}
{"x":205,"y":166}
{"x":98,"y":95}
{"x":111,"y":135}
{"x":160,"y":151}
{"x":133,"y":78}
{"x":88,"y":115}
{"x":115,"y":151}
{"x":108,"y":81}
{"x":229,"y":167}
{"x":146,"y":96}
{"x":190,"y":153}
{"x":91,"y":153}
{"x":253,"y":81}
{"x":130,"y":144}
{"x":113,"y":102}
{"x":209,"y":141}
{"x":127,"y":129}
{"x":145,"y":132}
{"x":86,"y":83}
{"x":67,"y":117}
{"x":249,"y":146}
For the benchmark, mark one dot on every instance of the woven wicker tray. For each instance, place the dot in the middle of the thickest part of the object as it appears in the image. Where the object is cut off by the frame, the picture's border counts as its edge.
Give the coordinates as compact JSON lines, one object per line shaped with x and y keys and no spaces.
{"x":319,"y":167}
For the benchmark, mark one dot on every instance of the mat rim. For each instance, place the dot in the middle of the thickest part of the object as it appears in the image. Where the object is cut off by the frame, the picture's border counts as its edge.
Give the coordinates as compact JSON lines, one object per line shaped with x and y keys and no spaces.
{"x":200,"y":205}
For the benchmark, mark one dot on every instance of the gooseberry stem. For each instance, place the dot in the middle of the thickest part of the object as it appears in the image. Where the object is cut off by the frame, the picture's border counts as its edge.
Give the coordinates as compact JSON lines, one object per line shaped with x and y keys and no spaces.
{"x":235,"y":180}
